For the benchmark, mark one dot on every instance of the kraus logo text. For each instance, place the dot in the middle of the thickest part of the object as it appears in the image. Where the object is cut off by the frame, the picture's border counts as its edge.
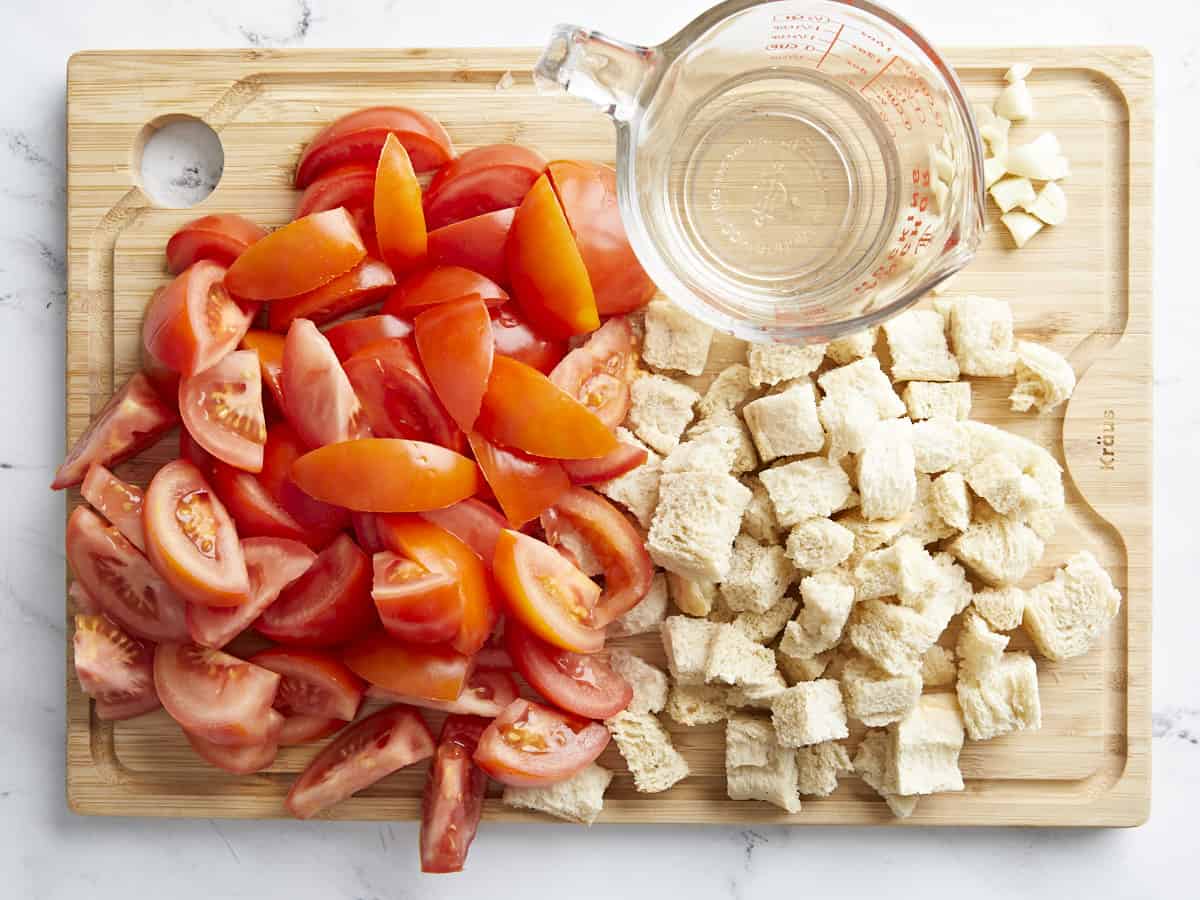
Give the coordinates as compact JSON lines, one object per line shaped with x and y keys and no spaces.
{"x":1106,"y":440}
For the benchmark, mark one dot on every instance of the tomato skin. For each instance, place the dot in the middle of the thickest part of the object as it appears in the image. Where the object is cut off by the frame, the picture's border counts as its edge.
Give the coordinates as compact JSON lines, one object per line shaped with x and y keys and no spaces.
{"x":222,"y":409}
{"x":313,"y":683}
{"x":524,"y":485}
{"x":319,"y":400}
{"x":118,"y":502}
{"x":82,"y":602}
{"x":241,"y":760}
{"x":480,"y":181}
{"x":516,"y":339}
{"x":367,"y":283}
{"x":414,"y":603}
{"x":476,"y":244}
{"x":440,"y":284}
{"x":624,"y":459}
{"x":502,"y":752}
{"x":194,"y":453}
{"x":473,"y":522}
{"x":493,"y":657}
{"x":320,"y":521}
{"x":221,"y":238}
{"x":297,"y":258}
{"x":113,"y":668}
{"x":584,"y":685}
{"x":486,"y":693}
{"x":329,"y":604}
{"x":359,"y":137}
{"x":429,"y":671}
{"x":255,"y":512}
{"x":599,"y":373}
{"x":164,"y":379}
{"x":351,"y":186}
{"x":269,"y":348}
{"x":348,"y":337}
{"x":524,"y":410}
{"x":452,"y":803}
{"x":379,"y":745}
{"x":456,"y":346}
{"x":133,"y":419}
{"x":305,"y":729}
{"x":399,"y":220}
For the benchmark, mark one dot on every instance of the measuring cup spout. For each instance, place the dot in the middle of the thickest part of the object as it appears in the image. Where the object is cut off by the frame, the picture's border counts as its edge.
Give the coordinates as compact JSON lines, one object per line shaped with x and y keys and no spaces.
{"x":595,"y":67}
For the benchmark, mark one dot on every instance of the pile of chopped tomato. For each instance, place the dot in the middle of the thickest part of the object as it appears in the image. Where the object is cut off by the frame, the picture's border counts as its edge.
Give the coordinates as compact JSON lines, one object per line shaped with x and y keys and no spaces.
{"x":382,"y":435}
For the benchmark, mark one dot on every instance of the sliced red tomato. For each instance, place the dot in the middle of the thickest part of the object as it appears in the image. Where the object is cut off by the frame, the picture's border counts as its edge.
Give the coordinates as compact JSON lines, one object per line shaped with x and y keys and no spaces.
{"x":194,"y":453}
{"x":366,"y":532}
{"x":599,"y":373}
{"x":547,"y":594}
{"x":359,"y":137}
{"x":164,"y":379}
{"x":399,"y":220}
{"x":241,"y":760}
{"x":305,"y":729}
{"x":549,"y":279}
{"x":221,"y":238}
{"x":429,"y":671}
{"x":525,"y":410}
{"x":351,"y":186}
{"x":588,"y":194}
{"x":116,"y":670}
{"x":320,"y":521}
{"x":530,"y":745}
{"x":615,"y":543}
{"x":480,"y":181}
{"x":319,"y":401}
{"x":452,"y":804}
{"x":222,"y":409}
{"x":271,"y":564}
{"x":121,"y":581}
{"x":523,"y":485}
{"x":297,"y":258}
{"x":348,"y":337}
{"x":624,"y":459}
{"x":269,"y":347}
{"x":514,"y":338}
{"x":476,"y":244}
{"x":191,"y":540}
{"x":406,"y":476}
{"x":215,"y":696}
{"x":486,"y":693}
{"x":367,"y":283}
{"x":492,"y":657}
{"x":82,"y":602}
{"x":434,"y":285}
{"x":367,"y":751}
{"x":584,"y":685}
{"x":329,"y":604}
{"x":474,"y":523}
{"x":194,"y":321}
{"x":133,"y":419}
{"x":255,"y":512}
{"x":313,"y":683}
{"x":456,"y":346}
{"x":117,"y":501}
{"x":414,"y":603}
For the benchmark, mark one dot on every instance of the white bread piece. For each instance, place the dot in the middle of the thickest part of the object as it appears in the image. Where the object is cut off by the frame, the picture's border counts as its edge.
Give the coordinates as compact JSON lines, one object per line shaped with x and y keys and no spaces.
{"x":785,"y":424}
{"x":928,"y":399}
{"x":690,"y":596}
{"x":917,"y":341}
{"x":870,"y":535}
{"x":894,"y":637}
{"x":649,"y":683}
{"x":648,"y":615}
{"x":757,"y":696}
{"x":925,"y":524}
{"x":819,"y":766}
{"x":661,"y":409}
{"x":1008,"y":490}
{"x":981,"y":334}
{"x":734,"y":659}
{"x":876,"y":698}
{"x":938,"y":444}
{"x":674,"y":340}
{"x":697,"y":518}
{"x":805,"y":489}
{"x":875,"y":764}
{"x":759,"y":575}
{"x":926,"y":744}
{"x":759,"y":520}
{"x":1001,"y":607}
{"x":796,"y":669}
{"x":905,"y":570}
{"x":938,"y":667}
{"x":1044,"y":523}
{"x":772,"y":364}
{"x":637,"y":489}
{"x":745,"y":457}
{"x":887,"y":480}
{"x":652,"y":759}
{"x":697,"y":704}
{"x":951,"y":500}
{"x":712,"y":451}
{"x":856,"y":345}
{"x":1001,"y":699}
{"x":819,"y":544}
{"x":728,"y":393}
{"x":1044,"y":379}
{"x":1032,"y":458}
{"x":775,"y":782}
{"x":578,"y":799}
{"x":765,"y":626}
{"x":1066,"y":615}
{"x":686,"y":641}
{"x":828,"y":598}
{"x":979,"y":648}
{"x":856,"y":397}
{"x":949,"y":596}
{"x":809,"y":713}
{"x":749,"y":741}
{"x":998,"y":550}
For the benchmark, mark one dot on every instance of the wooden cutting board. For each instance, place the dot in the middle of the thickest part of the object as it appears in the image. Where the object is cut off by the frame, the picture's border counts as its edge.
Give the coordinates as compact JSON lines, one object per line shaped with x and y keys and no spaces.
{"x":1083,"y":288}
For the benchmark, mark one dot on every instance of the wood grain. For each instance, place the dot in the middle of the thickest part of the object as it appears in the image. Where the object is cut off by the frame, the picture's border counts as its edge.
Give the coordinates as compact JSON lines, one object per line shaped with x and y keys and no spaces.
{"x":1083,"y":288}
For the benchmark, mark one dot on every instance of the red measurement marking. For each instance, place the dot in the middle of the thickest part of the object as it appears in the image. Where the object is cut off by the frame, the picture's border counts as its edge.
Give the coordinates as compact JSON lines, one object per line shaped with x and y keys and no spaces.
{"x":876,"y":75}
{"x":830,"y":47}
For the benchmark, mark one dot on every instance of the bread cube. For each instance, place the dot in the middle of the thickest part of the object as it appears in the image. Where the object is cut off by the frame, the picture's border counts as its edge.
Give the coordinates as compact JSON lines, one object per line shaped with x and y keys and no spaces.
{"x":759,"y":575}
{"x":951,"y":500}
{"x":926,"y":745}
{"x":876,"y":698}
{"x":819,"y":766}
{"x":648,"y":615}
{"x":690,"y":596}
{"x":1032,"y":459}
{"x":809,"y":713}
{"x":578,"y":799}
{"x":1066,"y":615}
{"x":805,"y":489}
{"x":775,"y":363}
{"x":894,"y":637}
{"x":938,"y":667}
{"x":998,"y":550}
{"x":981,"y":333}
{"x":816,"y":545}
{"x":748,"y":741}
{"x":874,"y":761}
{"x":856,"y":397}
{"x":1000,"y":481}
{"x":775,"y":781}
{"x":929,"y":400}
{"x":745,"y":457}
{"x":1001,"y":607}
{"x":938,"y":444}
{"x":853,"y":346}
{"x":1044,"y":379}
{"x":649,"y":683}
{"x":674,"y":340}
{"x":758,"y":521}
{"x":697,"y":704}
{"x":763,"y":627}
{"x":904,"y":570}
{"x":661,"y":409}
{"x":979,"y":648}
{"x":828,"y":598}
{"x":801,"y":668}
{"x":697,"y":518}
{"x":651,"y":757}
{"x":757,"y":696}
{"x":785,"y":424}
{"x":917,"y":341}
{"x":734,"y":659}
{"x":887,"y":479}
{"x":925,"y":524}
{"x":637,"y":489}
{"x":1001,"y":699}
{"x":728,"y":393}
{"x":686,"y":642}
{"x":870,"y":535}
{"x":947,"y":596}
{"x":713,"y":451}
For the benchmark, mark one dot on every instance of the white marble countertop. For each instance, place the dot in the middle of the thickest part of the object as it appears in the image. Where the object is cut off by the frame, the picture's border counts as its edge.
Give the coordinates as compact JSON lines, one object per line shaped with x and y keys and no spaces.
{"x":46,"y":852}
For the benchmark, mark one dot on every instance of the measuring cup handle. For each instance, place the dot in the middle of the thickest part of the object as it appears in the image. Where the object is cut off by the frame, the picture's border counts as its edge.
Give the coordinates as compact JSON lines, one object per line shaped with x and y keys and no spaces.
{"x":595,"y":67}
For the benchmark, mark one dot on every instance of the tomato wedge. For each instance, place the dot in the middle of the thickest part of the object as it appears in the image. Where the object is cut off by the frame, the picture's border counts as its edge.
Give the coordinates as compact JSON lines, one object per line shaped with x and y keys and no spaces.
{"x":271,"y":564}
{"x":524,"y":485}
{"x":585,"y":685}
{"x":215,"y":696}
{"x":406,"y":476}
{"x":241,"y":760}
{"x":164,"y":379}
{"x":221,"y":238}
{"x":319,"y":401}
{"x":348,"y":337}
{"x":486,"y":693}
{"x":414,"y":603}
{"x":531,"y":745}
{"x":191,"y":540}
{"x":624,"y":459}
{"x":305,"y":729}
{"x":367,"y":283}
{"x":193,"y":322}
{"x":269,"y":347}
{"x":254,"y":511}
{"x":117,"y":501}
{"x":429,"y":671}
{"x":547,"y":594}
{"x":222,"y":409}
{"x":440,"y":284}
{"x":329,"y":604}
{"x":399,"y":221}
{"x":366,"y":532}
{"x":367,"y":751}
{"x":456,"y":345}
{"x":133,"y":419}
{"x":83,"y":603}
{"x":359,"y":136}
{"x":313,"y":683}
{"x":351,"y":186}
{"x":599,"y":373}
{"x":452,"y":804}
{"x":474,"y":523}
{"x":548,"y":276}
{"x":121,"y":581}
{"x":116,"y":670}
{"x":476,"y":244}
{"x":493,"y":657}
{"x":480,"y":181}
{"x":297,"y":258}
{"x":588,"y":194}
{"x":396,"y":397}
{"x":525,"y":410}
{"x":514,"y":338}
{"x":194,"y":453}
{"x":320,"y":521}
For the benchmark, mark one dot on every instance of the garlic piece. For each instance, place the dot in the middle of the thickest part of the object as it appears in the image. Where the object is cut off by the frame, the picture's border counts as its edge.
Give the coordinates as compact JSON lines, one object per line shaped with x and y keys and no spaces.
{"x":1010,"y":193}
{"x":1015,"y":102}
{"x":1021,"y":226}
{"x":1018,"y":72}
{"x":1041,"y":160}
{"x":941,"y":166}
{"x":941,"y":194}
{"x":993,"y":170}
{"x":1050,"y":205}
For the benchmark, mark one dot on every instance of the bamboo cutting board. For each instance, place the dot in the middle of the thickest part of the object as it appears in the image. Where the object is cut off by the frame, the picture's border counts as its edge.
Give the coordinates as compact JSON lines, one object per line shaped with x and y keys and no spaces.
{"x":1083,"y":288}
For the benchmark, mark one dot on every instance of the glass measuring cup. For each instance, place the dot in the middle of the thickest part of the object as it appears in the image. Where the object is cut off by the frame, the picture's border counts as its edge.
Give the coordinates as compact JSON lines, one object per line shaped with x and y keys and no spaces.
{"x":789,"y":170}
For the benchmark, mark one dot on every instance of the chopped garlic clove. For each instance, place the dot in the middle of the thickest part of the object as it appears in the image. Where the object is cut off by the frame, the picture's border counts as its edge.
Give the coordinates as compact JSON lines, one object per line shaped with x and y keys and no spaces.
{"x":1050,"y":205}
{"x":941,"y":193}
{"x":983,"y":114}
{"x":1021,"y":226}
{"x":1010,"y":193}
{"x":1041,"y":160}
{"x":941,"y":165}
{"x":1015,"y":102}
{"x":1018,"y":72}
{"x":993,"y":170}
{"x":995,"y":133}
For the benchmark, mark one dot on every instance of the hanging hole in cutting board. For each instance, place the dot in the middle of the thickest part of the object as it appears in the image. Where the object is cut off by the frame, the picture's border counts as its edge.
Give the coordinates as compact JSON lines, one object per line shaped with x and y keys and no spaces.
{"x":178,"y":160}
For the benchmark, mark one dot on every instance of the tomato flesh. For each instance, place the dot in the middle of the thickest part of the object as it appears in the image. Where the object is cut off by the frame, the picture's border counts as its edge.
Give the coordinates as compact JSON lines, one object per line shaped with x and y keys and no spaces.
{"x":414,"y":603}
{"x":582,"y":684}
{"x":312,"y":683}
{"x":221,"y":238}
{"x":486,"y":693}
{"x":82,"y":602}
{"x":476,"y":244}
{"x":474,"y":523}
{"x":429,"y":671}
{"x":305,"y":729}
{"x":456,"y":345}
{"x":531,"y":745}
{"x":452,"y":804}
{"x":524,"y":485}
{"x":434,"y":285}
{"x":117,"y":501}
{"x":255,"y":512}
{"x":516,"y":339}
{"x":320,"y":521}
{"x":222,"y":409}
{"x":481,"y":181}
{"x":241,"y":760}
{"x":348,"y":337}
{"x":367,"y":283}
{"x":297,"y":258}
{"x":399,"y":220}
{"x":319,"y":400}
{"x":599,"y":373}
{"x":624,"y":459}
{"x":113,"y":668}
{"x":351,"y":186}
{"x":269,"y":347}
{"x":358,"y":138}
